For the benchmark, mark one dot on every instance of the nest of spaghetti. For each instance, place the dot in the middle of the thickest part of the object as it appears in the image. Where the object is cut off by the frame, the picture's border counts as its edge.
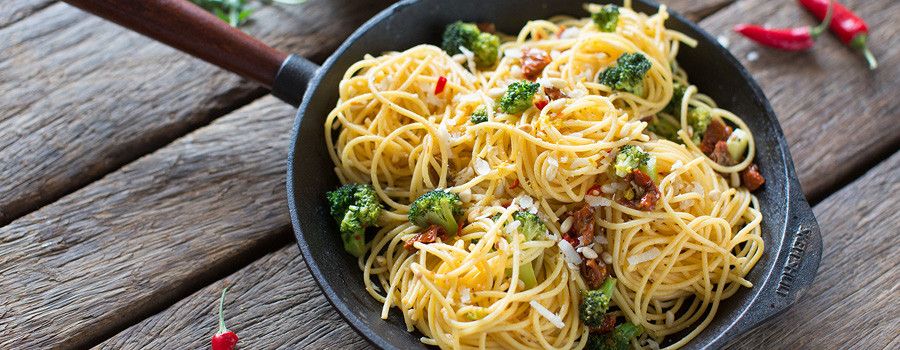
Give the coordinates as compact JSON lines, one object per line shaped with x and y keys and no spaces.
{"x":574,"y":192}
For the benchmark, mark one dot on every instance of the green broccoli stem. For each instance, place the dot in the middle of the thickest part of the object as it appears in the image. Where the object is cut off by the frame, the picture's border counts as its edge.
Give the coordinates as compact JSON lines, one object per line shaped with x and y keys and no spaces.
{"x":608,"y":286}
{"x":354,"y":242}
{"x":629,"y":330}
{"x":526,"y":274}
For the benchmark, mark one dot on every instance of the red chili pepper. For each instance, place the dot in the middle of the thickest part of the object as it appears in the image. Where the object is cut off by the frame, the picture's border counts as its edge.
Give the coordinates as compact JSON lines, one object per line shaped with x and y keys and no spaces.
{"x":541,"y":104}
{"x":595,"y":191}
{"x":514,"y":185}
{"x":459,"y":230}
{"x":440,"y":85}
{"x":560,"y":31}
{"x":847,"y":25}
{"x":792,"y":39}
{"x":224,"y":339}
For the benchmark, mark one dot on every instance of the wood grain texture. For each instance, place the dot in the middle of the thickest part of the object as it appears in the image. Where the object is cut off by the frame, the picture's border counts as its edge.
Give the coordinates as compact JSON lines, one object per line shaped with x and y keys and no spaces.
{"x":15,"y":10}
{"x":271,"y":304}
{"x":853,"y":302}
{"x":83,"y":97}
{"x":837,"y":115}
{"x":114,"y":252}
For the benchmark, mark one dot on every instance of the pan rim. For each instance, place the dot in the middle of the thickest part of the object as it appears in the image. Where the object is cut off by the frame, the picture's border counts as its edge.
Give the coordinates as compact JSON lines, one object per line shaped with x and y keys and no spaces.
{"x":793,"y":194}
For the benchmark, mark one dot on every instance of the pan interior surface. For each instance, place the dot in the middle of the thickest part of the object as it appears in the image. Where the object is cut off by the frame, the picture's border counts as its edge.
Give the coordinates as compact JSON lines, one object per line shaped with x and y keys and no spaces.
{"x":407,"y":24}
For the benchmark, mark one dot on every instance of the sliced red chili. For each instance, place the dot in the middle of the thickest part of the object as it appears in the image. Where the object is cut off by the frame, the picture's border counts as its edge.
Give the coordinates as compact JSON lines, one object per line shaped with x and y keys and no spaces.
{"x":560,"y":31}
{"x":646,"y":193}
{"x":595,"y":191}
{"x":516,"y":184}
{"x":439,"y":88}
{"x":541,"y":104}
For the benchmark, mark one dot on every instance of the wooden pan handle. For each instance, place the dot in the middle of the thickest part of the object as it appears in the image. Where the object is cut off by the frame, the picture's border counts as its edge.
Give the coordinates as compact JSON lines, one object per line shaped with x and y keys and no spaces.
{"x":184,"y":26}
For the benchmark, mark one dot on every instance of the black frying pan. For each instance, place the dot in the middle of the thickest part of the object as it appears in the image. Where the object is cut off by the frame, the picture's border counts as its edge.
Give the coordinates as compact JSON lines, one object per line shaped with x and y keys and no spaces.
{"x":793,"y":243}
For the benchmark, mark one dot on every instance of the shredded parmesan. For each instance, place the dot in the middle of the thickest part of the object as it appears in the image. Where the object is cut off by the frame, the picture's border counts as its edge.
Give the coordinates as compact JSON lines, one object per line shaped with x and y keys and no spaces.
{"x":514,"y":53}
{"x":569,"y":252}
{"x":512,"y":226}
{"x":482,"y":167}
{"x":553,"y":318}
{"x":496,"y":92}
{"x":648,"y":255}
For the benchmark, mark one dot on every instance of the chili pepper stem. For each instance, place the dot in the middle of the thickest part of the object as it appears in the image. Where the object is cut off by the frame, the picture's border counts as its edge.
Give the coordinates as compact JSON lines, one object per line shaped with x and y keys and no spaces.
{"x":222,"y":328}
{"x":873,"y":64}
{"x":859,"y":42}
{"x":817,"y":30}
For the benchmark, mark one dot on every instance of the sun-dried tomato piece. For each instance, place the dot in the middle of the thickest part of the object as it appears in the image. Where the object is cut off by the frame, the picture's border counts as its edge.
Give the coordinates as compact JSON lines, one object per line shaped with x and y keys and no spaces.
{"x":594,"y":272}
{"x":533,"y":62}
{"x":751,"y":178}
{"x":429,"y":235}
{"x":646,"y":193}
{"x":714,"y":133}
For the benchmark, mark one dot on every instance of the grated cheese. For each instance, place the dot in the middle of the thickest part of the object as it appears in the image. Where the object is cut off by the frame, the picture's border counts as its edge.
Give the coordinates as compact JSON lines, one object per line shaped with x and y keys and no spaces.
{"x":553,"y":318}
{"x":569,"y":253}
{"x":482,"y":167}
{"x":648,"y":255}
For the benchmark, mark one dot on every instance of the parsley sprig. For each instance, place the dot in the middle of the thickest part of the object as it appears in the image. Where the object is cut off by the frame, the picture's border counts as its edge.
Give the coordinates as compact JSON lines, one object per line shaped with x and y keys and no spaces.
{"x":235,"y":12}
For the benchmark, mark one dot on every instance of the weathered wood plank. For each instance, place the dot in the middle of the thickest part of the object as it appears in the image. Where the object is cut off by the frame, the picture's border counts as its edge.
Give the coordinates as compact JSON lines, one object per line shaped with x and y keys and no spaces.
{"x":853,"y":302}
{"x":838,"y":116}
{"x":271,"y":304}
{"x":696,"y":10}
{"x":122,"y":248}
{"x":15,"y":10}
{"x":82,"y":97}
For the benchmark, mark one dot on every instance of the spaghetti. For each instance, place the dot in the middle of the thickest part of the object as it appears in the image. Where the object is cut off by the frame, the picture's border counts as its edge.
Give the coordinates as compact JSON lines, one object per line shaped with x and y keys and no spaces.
{"x":674,"y":263}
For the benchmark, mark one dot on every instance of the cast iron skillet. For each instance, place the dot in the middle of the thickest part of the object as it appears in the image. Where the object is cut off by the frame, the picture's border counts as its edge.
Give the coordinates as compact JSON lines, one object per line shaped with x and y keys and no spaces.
{"x":793,"y":243}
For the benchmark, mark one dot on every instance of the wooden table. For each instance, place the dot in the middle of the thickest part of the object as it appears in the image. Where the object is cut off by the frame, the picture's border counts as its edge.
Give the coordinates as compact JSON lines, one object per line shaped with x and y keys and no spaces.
{"x":138,"y":182}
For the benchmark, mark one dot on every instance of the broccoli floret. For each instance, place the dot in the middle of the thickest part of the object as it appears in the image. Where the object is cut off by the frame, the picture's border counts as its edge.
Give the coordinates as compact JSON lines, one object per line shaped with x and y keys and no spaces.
{"x":436,"y":207}
{"x":594,"y":303}
{"x":485,"y":46}
{"x":618,"y":339}
{"x":632,"y":157}
{"x":354,"y":207}
{"x":479,"y":115}
{"x":674,"y":106}
{"x":518,"y":96}
{"x":486,"y":49}
{"x":698,"y":118}
{"x":531,"y":224}
{"x":627,"y":74}
{"x":531,"y":227}
{"x":664,"y":128}
{"x":607,"y":18}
